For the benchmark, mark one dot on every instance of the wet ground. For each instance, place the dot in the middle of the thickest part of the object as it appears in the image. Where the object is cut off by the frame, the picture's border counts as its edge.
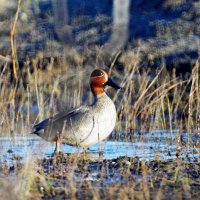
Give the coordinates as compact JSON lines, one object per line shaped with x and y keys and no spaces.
{"x":153,"y":165}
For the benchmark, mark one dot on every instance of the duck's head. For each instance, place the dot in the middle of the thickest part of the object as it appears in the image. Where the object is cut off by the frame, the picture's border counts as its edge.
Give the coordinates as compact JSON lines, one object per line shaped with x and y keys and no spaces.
{"x":99,"y":79}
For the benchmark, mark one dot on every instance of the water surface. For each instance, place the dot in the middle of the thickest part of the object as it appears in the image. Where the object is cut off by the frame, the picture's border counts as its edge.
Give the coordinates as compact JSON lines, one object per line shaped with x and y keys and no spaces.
{"x":148,"y":146}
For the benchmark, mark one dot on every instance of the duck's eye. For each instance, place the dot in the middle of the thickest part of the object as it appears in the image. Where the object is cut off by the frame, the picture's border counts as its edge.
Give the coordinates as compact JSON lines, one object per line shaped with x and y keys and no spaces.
{"x":96,"y":73}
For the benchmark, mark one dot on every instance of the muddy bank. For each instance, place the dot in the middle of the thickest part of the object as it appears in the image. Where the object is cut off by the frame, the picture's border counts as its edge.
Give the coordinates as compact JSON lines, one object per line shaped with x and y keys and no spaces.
{"x":121,"y":177}
{"x":75,"y":176}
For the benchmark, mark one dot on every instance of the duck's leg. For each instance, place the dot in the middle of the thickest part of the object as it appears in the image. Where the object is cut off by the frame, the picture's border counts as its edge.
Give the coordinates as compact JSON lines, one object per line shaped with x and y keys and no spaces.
{"x":100,"y":152}
{"x":57,"y":146}
{"x":58,"y":141}
{"x":100,"y":155}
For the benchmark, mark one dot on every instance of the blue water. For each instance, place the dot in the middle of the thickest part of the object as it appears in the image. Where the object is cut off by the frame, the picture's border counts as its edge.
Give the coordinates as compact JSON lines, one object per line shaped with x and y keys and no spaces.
{"x":148,"y":146}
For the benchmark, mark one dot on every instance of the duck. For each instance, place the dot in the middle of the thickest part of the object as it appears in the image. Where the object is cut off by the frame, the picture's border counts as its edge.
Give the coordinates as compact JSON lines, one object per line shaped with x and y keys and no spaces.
{"x":86,"y":125}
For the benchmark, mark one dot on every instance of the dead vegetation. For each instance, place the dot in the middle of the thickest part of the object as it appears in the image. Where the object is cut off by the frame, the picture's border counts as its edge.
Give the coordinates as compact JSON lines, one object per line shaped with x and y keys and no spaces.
{"x":35,"y":87}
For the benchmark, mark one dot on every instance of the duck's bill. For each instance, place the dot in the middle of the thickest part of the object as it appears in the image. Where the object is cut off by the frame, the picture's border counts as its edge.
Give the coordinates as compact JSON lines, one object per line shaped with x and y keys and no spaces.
{"x":111,"y":83}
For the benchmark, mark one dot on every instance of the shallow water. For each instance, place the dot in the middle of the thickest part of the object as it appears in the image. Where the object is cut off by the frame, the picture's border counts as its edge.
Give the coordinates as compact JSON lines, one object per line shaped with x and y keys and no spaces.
{"x":148,"y":146}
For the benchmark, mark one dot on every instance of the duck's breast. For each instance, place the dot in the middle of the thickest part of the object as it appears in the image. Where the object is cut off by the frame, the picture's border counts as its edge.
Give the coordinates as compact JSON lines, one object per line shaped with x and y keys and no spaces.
{"x":91,"y":126}
{"x":105,"y":118}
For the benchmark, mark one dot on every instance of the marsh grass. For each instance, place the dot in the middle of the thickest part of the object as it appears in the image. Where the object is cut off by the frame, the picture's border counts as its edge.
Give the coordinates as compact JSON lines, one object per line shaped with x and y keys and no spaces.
{"x":72,"y":177}
{"x":148,"y":101}
{"x":159,"y":101}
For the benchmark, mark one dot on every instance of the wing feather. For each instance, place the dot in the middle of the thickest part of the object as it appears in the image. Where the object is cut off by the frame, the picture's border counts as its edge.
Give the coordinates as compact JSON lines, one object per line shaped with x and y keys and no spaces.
{"x":58,"y":117}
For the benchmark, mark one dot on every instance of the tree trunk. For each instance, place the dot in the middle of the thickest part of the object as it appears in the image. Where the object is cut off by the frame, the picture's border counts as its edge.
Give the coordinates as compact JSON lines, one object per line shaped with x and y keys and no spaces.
{"x":62,"y":29}
{"x":120,"y":30}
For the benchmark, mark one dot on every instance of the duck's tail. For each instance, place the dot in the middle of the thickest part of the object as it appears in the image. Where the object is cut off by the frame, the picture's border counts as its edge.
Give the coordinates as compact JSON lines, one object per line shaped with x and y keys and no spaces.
{"x":39,"y":128}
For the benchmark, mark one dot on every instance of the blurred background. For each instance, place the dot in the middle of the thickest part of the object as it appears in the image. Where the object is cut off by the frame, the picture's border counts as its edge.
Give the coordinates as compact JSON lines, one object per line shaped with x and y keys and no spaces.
{"x":166,"y":29}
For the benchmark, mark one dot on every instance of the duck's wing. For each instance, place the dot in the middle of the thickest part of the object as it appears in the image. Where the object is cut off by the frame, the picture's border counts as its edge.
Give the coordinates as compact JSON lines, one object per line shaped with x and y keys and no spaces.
{"x":58,"y":117}
{"x":69,"y":114}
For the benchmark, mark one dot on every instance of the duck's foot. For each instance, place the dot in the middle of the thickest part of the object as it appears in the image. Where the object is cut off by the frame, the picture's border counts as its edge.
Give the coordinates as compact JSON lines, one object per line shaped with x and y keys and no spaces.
{"x":57,"y":149}
{"x":55,"y":154}
{"x":100,"y":153}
